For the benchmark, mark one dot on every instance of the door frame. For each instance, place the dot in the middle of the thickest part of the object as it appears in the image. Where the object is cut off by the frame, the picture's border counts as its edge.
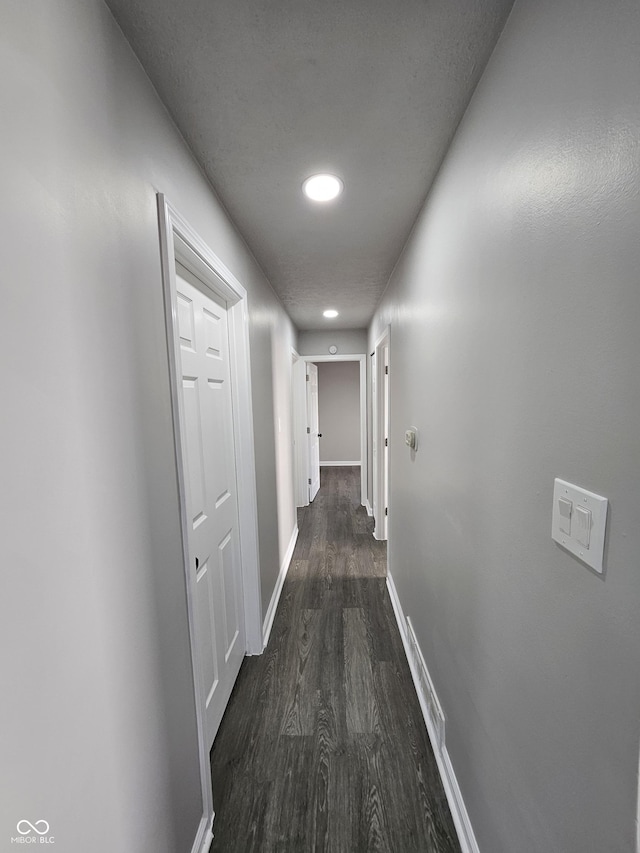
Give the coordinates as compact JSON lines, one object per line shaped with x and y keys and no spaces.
{"x":313,"y":429}
{"x":379,"y":474}
{"x":300,"y":427}
{"x":178,"y":241}
{"x":300,"y":454}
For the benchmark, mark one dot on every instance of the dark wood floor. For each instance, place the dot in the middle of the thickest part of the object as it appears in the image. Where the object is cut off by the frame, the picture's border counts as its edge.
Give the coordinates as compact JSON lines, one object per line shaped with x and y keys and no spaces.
{"x":323,"y":746}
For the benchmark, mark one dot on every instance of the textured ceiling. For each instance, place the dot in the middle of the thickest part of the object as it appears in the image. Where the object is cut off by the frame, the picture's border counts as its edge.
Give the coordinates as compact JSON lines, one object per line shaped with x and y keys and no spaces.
{"x":270,"y":91}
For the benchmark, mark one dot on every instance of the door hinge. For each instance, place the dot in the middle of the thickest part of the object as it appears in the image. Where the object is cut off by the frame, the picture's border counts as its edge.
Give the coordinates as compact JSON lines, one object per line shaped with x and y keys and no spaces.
{"x":386,"y":510}
{"x":386,"y":442}
{"x":308,"y":378}
{"x":308,"y":430}
{"x":386,"y":368}
{"x":309,"y":480}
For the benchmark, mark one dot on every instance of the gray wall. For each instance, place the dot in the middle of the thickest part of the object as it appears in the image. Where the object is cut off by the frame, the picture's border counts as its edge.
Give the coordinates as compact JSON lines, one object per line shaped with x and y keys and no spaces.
{"x":348,"y":341}
{"x":339,"y":410}
{"x":97,"y":720}
{"x":515,"y":349}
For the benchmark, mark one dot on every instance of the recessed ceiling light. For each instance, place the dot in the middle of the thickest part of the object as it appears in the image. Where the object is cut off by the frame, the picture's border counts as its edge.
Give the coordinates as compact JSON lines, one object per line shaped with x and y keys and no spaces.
{"x":322,"y":187}
{"x":330,"y":312}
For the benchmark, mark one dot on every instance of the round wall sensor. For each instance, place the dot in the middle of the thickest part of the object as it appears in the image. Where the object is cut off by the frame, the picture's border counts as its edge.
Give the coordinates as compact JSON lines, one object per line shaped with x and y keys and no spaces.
{"x":333,"y":349}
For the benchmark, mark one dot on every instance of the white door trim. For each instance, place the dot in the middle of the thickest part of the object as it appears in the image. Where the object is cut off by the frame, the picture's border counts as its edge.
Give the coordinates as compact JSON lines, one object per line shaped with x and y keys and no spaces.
{"x":178,"y":241}
{"x":363,"y":414}
{"x":313,"y":429}
{"x":377,"y":385}
{"x":298,"y":384}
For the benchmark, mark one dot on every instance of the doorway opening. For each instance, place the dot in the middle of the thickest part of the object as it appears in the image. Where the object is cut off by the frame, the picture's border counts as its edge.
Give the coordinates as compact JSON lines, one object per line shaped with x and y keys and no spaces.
{"x":319,"y":423}
{"x":210,"y":380}
{"x":380,"y":378}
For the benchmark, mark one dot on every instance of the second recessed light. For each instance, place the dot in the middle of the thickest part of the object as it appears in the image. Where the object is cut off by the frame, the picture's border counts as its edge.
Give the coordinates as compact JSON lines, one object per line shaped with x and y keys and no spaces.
{"x":330,"y":313}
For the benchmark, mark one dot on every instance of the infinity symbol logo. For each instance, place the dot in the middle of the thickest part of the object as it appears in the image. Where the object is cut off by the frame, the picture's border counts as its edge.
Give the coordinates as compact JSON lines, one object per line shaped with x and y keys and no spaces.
{"x":41,"y":827}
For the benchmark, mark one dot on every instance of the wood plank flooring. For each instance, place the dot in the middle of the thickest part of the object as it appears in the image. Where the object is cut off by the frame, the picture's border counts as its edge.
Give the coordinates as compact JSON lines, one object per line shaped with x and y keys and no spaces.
{"x":323,"y":746}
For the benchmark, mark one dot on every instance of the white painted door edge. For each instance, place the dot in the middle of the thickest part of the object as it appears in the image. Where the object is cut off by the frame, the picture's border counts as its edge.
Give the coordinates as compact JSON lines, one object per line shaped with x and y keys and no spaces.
{"x":179,"y":241}
{"x":362,"y":359}
{"x":458,"y":809}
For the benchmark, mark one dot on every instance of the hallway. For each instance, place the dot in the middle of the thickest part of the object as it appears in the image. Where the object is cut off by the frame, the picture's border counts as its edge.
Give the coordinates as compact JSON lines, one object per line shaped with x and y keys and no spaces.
{"x":323,"y":745}
{"x":488,"y":157}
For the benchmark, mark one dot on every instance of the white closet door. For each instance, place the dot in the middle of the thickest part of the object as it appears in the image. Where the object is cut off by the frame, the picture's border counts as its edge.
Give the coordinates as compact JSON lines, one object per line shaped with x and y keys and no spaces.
{"x":212,"y":507}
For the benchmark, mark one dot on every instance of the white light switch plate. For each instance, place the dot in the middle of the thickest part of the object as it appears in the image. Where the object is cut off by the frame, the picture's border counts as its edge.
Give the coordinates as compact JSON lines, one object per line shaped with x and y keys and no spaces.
{"x":592,"y":554}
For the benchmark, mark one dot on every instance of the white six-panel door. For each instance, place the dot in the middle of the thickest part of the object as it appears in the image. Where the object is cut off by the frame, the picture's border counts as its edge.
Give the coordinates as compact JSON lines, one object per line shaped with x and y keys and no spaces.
{"x":212,"y":507}
{"x":385,"y":442}
{"x":312,"y":420}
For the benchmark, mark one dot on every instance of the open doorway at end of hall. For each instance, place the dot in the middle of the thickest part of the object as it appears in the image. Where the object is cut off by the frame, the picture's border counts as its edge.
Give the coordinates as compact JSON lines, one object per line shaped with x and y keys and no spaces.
{"x":329,"y":397}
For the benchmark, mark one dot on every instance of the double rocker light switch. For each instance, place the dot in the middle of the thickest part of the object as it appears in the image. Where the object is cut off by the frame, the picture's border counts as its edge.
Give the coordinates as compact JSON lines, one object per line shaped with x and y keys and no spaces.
{"x":578,"y":522}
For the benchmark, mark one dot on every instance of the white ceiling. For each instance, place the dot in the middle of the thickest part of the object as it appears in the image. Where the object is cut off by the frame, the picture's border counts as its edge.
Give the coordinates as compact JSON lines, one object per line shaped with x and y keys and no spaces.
{"x":270,"y":91}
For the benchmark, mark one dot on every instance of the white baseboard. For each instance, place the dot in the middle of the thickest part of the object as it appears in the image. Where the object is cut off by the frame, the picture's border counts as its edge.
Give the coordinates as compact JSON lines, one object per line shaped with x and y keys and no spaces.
{"x":204,"y":836}
{"x":367,"y":506}
{"x":422,"y":682}
{"x":340,"y":464}
{"x":638,"y":818}
{"x":275,"y":598}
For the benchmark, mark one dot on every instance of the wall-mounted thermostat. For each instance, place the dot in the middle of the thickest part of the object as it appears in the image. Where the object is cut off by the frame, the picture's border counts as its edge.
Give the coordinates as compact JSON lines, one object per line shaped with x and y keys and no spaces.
{"x":578,"y":522}
{"x":411,"y":438}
